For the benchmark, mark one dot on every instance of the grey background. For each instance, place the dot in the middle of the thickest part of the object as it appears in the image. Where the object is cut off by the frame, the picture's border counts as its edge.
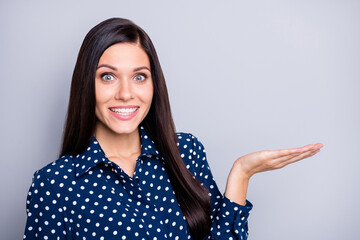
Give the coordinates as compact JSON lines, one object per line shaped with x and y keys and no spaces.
{"x":242,"y":76}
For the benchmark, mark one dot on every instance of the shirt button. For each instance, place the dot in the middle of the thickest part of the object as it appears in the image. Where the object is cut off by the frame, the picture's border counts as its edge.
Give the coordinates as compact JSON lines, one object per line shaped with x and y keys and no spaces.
{"x":137,"y":179}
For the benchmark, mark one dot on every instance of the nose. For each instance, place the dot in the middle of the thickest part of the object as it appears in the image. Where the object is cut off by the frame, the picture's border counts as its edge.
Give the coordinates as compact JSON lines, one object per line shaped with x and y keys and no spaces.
{"x":124,"y":91}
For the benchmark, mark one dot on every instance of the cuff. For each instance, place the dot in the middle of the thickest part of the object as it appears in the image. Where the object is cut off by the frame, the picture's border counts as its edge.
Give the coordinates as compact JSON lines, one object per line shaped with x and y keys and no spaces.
{"x":234,"y":211}
{"x":231,"y":220}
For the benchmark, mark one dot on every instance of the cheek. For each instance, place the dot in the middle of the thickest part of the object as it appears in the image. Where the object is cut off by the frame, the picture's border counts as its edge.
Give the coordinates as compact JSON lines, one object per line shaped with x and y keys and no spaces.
{"x":148,"y":94}
{"x":102,"y":95}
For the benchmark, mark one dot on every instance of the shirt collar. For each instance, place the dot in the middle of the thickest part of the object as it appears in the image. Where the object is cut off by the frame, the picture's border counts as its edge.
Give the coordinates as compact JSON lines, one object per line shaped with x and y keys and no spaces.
{"x":148,"y":147}
{"x":93,"y":155}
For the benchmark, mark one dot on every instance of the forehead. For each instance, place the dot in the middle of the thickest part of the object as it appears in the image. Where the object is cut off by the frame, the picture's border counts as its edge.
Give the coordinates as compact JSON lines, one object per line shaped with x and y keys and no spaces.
{"x":125,"y":55}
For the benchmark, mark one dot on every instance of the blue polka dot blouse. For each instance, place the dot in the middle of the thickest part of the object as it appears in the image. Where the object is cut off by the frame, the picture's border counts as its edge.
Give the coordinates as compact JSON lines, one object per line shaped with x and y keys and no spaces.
{"x":89,"y":197}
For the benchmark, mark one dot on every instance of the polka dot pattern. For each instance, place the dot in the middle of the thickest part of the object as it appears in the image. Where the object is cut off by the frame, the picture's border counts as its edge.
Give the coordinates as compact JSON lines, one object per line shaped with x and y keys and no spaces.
{"x":89,"y":197}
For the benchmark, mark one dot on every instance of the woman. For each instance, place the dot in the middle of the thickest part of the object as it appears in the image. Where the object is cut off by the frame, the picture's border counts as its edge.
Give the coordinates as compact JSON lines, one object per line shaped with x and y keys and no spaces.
{"x":123,"y":172}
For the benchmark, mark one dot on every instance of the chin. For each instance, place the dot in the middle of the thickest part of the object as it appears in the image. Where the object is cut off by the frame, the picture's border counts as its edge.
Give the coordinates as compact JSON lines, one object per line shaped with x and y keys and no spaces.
{"x":110,"y":125}
{"x":124,"y":129}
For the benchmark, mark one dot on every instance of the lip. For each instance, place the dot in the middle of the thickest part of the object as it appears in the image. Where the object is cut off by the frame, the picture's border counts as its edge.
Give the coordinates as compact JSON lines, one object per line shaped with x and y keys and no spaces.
{"x":124,"y":117}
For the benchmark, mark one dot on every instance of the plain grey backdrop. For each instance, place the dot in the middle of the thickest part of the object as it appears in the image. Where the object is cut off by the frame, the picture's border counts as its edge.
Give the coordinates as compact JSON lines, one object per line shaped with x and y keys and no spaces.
{"x":242,"y":76}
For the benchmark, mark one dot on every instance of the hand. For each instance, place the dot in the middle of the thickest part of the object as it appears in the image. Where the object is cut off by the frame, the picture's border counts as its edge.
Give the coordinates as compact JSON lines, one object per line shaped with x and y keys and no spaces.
{"x":267,"y":160}
{"x":246,"y":166}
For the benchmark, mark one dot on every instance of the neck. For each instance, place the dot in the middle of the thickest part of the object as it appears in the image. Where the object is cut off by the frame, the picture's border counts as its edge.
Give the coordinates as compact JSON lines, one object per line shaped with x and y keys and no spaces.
{"x":114,"y":144}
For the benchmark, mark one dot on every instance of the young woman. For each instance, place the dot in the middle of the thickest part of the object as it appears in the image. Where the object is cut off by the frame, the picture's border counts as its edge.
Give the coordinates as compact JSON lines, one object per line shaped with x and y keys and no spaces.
{"x":123,"y":171}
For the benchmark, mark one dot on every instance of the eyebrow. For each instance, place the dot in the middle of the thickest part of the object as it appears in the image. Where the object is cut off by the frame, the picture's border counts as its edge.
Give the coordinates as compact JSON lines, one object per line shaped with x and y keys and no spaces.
{"x":105,"y":65}
{"x":140,"y":68}
{"x":115,"y":69}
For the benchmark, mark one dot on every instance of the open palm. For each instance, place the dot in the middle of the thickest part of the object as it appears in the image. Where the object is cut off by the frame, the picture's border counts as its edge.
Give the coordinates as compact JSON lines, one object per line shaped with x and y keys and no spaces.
{"x":273,"y":159}
{"x":246,"y":166}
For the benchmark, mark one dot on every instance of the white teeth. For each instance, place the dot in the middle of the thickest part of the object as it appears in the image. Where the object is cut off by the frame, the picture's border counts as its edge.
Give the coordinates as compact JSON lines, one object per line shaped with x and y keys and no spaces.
{"x":124,"y":111}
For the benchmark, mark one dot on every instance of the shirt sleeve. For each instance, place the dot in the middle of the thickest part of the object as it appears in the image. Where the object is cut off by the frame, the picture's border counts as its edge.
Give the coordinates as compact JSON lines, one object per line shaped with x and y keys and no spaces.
{"x":229,"y":219}
{"x":45,"y":214}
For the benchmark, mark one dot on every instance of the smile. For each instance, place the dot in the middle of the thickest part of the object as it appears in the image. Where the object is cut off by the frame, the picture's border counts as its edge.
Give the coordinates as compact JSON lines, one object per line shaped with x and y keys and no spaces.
{"x":124,"y":111}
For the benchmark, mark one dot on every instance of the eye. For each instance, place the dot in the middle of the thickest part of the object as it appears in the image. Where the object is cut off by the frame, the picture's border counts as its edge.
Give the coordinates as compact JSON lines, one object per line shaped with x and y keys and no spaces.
{"x":140,"y":77}
{"x":107,"y":77}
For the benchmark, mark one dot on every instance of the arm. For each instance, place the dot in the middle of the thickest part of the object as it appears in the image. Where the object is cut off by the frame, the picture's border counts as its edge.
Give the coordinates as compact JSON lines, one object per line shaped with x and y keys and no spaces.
{"x":45,"y":215}
{"x":229,"y":213}
{"x":229,"y":219}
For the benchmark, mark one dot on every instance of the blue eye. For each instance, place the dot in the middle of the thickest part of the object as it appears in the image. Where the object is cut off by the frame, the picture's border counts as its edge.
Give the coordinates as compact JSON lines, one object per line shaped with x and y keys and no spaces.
{"x":140,"y":77}
{"x":107,"y":77}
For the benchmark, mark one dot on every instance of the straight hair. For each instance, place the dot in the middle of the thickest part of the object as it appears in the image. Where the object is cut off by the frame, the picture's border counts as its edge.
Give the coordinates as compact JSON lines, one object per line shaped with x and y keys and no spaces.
{"x":80,"y":123}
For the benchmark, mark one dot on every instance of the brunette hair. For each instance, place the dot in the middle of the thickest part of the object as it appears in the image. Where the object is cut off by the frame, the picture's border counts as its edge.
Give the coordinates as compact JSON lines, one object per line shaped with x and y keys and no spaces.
{"x":80,"y":122}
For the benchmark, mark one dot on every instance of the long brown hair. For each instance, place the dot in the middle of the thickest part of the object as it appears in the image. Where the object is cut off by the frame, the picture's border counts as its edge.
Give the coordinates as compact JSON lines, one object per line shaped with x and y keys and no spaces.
{"x":80,"y":122}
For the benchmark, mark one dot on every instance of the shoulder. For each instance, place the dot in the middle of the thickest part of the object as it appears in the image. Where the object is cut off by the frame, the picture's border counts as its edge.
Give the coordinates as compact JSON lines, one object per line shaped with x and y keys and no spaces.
{"x":60,"y":170}
{"x":191,"y":151}
{"x":187,"y":138}
{"x":49,"y":183}
{"x":187,"y":142}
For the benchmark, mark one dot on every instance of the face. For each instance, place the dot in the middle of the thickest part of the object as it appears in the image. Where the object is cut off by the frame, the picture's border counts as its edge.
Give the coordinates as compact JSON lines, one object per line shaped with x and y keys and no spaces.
{"x":123,"y":88}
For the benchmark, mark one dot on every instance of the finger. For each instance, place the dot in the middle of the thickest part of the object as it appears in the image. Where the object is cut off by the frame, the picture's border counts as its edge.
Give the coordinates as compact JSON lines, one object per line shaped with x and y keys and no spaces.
{"x":283,"y":153}
{"x":319,"y":145}
{"x":274,"y":163}
{"x":270,"y":164}
{"x":293,"y":154}
{"x":284,"y":157}
{"x":304,"y":155}
{"x":297,"y":158}
{"x":290,"y":151}
{"x":310,"y":147}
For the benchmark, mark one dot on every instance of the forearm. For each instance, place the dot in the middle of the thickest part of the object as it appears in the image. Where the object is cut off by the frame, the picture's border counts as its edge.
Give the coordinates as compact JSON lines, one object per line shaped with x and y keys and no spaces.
{"x":236,"y":187}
